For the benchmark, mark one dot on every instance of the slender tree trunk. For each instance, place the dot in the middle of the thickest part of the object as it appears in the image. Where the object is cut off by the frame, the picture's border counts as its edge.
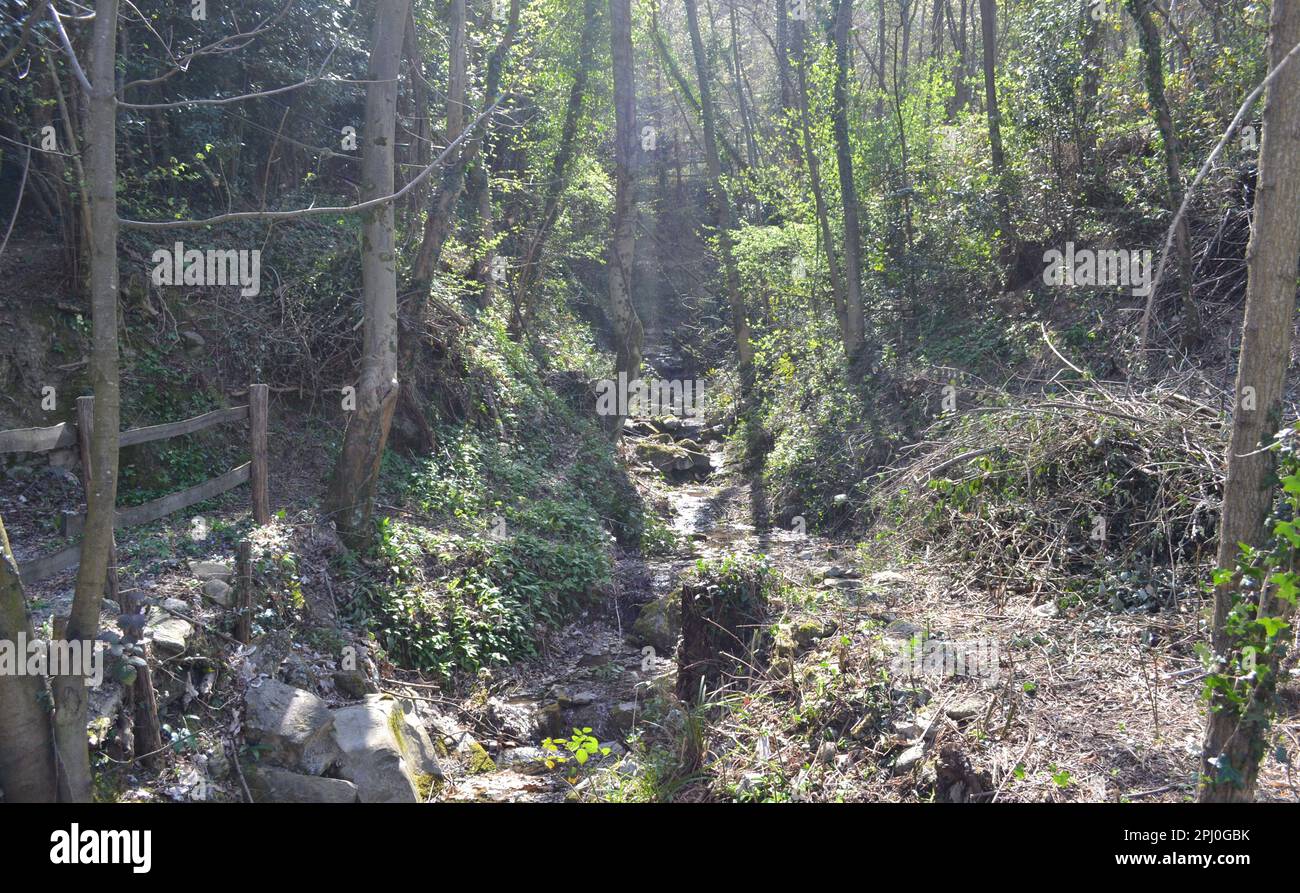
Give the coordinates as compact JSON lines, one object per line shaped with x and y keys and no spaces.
{"x":1235,"y":738}
{"x":815,"y":182}
{"x":26,"y":735}
{"x":627,"y":326}
{"x":1006,"y":236}
{"x":530,"y":269}
{"x":1154,"y":75}
{"x":351,"y":496}
{"x":725,"y":213}
{"x":100,"y":164}
{"x":854,"y":323}
{"x":437,"y":225}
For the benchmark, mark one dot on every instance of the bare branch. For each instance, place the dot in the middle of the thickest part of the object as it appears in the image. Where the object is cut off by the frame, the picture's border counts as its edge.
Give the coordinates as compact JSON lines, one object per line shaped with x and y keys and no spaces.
{"x":306,"y":212}
{"x":72,"y":54}
{"x":1237,"y":121}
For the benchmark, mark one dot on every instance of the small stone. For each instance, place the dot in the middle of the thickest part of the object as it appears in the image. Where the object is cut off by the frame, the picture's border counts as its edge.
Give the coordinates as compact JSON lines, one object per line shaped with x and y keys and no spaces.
{"x":207,"y":570}
{"x":826,"y":753}
{"x":965,"y":709}
{"x":169,"y":634}
{"x":220,"y":592}
{"x":884,"y":577}
{"x":908,"y":759}
{"x":909,"y":729}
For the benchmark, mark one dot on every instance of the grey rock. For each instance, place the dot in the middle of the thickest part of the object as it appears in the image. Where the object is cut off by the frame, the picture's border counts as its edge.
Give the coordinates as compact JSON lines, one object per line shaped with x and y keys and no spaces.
{"x":209,"y":570}
{"x":387,"y":755}
{"x":270,"y":784}
{"x":293,"y":724}
{"x":965,"y":709}
{"x":170,"y":634}
{"x":908,"y":759}
{"x":659,"y":623}
{"x":220,"y":592}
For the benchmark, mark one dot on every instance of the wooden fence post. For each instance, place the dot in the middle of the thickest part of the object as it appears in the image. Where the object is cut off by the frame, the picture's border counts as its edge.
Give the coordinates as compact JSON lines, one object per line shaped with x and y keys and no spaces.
{"x":244,"y":592}
{"x":148,"y":733}
{"x":85,"y":424}
{"x":257,"y":410}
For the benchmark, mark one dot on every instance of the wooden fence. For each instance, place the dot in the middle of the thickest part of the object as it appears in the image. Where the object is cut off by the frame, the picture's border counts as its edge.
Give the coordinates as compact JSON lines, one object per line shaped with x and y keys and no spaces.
{"x":63,"y":435}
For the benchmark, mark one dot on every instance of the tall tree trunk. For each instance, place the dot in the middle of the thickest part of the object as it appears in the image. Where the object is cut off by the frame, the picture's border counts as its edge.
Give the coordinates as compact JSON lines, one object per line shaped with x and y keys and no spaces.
{"x":815,"y":182}
{"x":627,"y":326}
{"x":438,"y":224}
{"x":26,"y":735}
{"x":1154,"y":75}
{"x":352,"y":490}
{"x":530,"y":269}
{"x":1235,"y":737}
{"x":1006,"y":236}
{"x":854,"y":323}
{"x":726,"y":215}
{"x":100,"y":163}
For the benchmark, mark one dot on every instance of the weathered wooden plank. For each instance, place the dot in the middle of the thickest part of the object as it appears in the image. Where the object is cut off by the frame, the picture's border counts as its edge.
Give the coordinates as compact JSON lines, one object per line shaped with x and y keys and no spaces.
{"x":257,"y":417}
{"x":185,"y":426}
{"x":160,"y":508}
{"x":38,"y":440}
{"x":40,"y":568}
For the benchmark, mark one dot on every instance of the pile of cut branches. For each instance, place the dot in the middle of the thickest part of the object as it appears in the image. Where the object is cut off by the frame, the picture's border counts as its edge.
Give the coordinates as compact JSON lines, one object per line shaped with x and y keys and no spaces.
{"x":1088,"y":493}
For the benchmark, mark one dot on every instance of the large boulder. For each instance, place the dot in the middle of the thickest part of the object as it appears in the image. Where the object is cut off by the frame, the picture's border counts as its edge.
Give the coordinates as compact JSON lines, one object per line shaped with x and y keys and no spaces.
{"x":294,"y":726}
{"x":270,"y":784}
{"x":386,"y":754}
{"x":659,"y":623}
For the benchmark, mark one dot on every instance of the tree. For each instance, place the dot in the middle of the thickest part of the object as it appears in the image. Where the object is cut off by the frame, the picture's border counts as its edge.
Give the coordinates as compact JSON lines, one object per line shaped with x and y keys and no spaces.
{"x":531,"y":266}
{"x":351,"y":495}
{"x":99,"y":153}
{"x":622,"y":246}
{"x":1006,"y":235}
{"x":1154,"y":77}
{"x":854,"y":324}
{"x":26,"y":737}
{"x":725,"y":213}
{"x":1235,"y":735}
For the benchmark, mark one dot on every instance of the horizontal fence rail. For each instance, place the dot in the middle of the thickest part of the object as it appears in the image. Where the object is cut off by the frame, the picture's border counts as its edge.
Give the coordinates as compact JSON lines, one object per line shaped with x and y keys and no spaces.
{"x":66,"y":434}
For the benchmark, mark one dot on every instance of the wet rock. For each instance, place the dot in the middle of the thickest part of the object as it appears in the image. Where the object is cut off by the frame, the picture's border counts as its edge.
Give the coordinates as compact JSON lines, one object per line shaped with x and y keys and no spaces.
{"x":457,"y":741}
{"x":384,"y":752}
{"x":659,"y":623}
{"x":270,"y":784}
{"x":524,"y":760}
{"x":294,"y":725}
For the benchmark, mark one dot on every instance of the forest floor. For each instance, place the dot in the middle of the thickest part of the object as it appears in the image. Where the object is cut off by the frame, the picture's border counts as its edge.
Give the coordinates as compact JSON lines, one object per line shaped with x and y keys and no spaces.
{"x":1083,"y":705}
